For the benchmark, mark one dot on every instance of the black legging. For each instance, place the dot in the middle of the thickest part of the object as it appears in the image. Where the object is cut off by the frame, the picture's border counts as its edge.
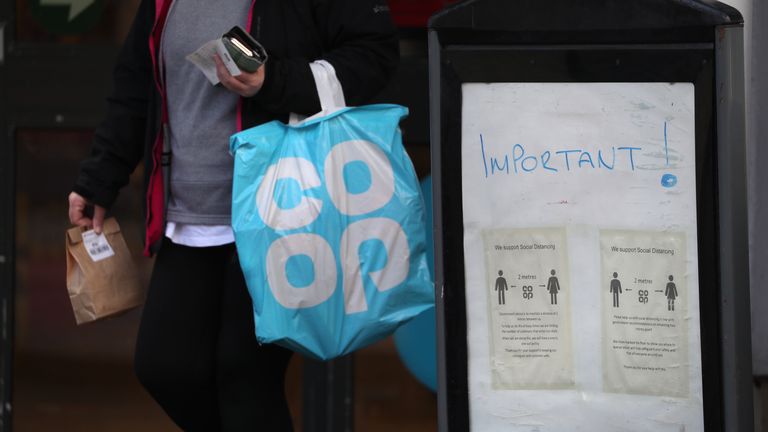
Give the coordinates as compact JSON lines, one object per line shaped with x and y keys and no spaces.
{"x":196,"y":352}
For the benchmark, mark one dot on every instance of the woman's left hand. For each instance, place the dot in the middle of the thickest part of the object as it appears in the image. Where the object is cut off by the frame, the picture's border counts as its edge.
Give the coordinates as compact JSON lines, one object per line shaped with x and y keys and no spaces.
{"x":246,"y":84}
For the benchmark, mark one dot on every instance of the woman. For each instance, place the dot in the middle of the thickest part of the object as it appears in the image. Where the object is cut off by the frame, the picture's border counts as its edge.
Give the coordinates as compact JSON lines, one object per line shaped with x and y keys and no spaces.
{"x":196,"y":352}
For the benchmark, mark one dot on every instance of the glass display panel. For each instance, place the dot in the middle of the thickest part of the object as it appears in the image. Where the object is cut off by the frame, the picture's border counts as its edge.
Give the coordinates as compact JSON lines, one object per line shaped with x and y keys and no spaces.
{"x":581,"y":256}
{"x":69,"y":377}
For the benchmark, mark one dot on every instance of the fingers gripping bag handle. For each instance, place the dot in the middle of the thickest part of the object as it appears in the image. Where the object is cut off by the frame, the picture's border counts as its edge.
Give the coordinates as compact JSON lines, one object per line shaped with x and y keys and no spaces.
{"x":329,"y":226}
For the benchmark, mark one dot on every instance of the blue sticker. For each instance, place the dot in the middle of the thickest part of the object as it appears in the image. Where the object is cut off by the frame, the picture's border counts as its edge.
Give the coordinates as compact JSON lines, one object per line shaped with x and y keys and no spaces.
{"x":668,"y":180}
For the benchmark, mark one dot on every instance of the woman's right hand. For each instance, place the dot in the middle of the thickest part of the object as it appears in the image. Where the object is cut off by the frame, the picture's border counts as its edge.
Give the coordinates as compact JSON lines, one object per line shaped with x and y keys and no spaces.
{"x":77,"y":215}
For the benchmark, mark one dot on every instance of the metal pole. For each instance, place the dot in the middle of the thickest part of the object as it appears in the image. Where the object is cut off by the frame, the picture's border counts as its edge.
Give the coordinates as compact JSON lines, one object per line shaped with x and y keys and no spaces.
{"x":435,"y":149}
{"x":329,"y":395}
{"x":734,"y":250}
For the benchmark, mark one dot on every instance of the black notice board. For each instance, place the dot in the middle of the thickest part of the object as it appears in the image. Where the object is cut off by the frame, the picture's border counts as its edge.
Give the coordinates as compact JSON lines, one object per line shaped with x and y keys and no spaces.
{"x":564,"y":54}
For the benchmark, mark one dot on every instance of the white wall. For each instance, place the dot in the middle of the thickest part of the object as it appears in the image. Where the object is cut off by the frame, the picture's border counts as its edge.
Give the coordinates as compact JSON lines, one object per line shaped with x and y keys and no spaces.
{"x":756,"y":41}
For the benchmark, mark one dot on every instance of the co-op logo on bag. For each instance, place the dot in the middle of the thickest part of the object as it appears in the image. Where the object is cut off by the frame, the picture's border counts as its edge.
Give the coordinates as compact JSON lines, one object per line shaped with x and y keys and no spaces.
{"x":306,"y":209}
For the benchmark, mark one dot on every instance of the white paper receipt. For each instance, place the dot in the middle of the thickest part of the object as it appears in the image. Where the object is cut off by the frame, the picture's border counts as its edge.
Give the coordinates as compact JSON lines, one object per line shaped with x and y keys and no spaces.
{"x":97,"y":246}
{"x":203,"y":59}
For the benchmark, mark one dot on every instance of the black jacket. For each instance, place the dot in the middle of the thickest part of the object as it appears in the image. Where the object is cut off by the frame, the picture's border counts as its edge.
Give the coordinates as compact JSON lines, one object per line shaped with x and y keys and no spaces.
{"x":356,"y":36}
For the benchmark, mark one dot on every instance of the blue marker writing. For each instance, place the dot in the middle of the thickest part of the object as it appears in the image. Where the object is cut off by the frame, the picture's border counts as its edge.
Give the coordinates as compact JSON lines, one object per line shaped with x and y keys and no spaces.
{"x":631,"y":158}
{"x":666,"y":146}
{"x":482,"y":149}
{"x":566,"y":152}
{"x":667,"y":180}
{"x":524,"y":162}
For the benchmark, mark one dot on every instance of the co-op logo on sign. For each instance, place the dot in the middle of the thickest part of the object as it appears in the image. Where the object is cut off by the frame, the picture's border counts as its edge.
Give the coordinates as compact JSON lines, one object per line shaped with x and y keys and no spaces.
{"x":346,"y":197}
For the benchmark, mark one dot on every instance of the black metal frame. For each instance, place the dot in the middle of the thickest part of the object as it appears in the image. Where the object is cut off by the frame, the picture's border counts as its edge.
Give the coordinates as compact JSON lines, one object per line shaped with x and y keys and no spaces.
{"x":7,"y":256}
{"x":569,"y":63}
{"x":733,"y":247}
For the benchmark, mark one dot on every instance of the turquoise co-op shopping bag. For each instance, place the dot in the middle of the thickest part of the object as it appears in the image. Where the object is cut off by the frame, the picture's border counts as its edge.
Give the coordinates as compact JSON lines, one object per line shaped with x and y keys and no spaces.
{"x":329,"y":225}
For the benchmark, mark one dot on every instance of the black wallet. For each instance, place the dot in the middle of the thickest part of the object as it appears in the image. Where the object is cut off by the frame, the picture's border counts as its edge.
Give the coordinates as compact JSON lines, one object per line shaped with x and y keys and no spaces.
{"x":247,"y":53}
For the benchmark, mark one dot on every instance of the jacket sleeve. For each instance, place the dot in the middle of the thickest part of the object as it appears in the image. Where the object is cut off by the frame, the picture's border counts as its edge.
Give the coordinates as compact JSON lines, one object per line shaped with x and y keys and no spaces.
{"x":118,"y":142}
{"x":360,"y":42}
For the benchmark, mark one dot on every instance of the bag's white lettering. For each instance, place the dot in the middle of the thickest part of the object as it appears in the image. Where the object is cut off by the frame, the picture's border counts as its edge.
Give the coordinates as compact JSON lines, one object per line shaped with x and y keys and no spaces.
{"x":305,"y":212}
{"x":379,"y":192}
{"x":318,"y":250}
{"x":394,"y":272}
{"x":382,"y":178}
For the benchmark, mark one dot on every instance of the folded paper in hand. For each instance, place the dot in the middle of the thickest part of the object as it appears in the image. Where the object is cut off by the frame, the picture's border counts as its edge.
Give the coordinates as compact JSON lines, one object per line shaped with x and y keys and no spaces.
{"x":203,"y":59}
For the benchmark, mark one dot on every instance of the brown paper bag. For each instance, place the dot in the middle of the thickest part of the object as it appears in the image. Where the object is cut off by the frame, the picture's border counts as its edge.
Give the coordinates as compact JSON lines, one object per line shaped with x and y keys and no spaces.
{"x":101,"y":277}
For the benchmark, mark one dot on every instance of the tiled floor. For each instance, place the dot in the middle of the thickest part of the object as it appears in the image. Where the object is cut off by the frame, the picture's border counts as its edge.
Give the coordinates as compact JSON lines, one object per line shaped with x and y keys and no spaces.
{"x":56,"y":394}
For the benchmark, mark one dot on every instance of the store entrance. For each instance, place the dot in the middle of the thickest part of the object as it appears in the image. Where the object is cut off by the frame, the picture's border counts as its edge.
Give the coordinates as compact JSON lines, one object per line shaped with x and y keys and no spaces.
{"x":53,"y":77}
{"x":56,"y":60}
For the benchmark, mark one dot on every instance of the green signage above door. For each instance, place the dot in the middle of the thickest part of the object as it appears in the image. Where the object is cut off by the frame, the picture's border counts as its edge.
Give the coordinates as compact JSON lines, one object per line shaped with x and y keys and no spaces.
{"x":67,"y":16}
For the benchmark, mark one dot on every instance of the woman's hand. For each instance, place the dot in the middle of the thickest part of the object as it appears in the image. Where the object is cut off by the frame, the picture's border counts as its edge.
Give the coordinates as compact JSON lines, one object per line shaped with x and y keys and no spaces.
{"x":77,"y":205}
{"x":246,"y":84}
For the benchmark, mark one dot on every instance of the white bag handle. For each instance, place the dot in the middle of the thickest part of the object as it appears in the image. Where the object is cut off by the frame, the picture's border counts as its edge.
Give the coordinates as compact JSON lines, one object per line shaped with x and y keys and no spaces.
{"x":329,"y":91}
{"x":328,"y":86}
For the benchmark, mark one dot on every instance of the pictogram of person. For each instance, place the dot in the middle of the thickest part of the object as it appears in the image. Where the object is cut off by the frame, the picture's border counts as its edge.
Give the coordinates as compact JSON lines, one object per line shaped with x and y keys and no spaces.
{"x":501,"y":286}
{"x":553,"y":286}
{"x":671,"y":293}
{"x":615,"y":289}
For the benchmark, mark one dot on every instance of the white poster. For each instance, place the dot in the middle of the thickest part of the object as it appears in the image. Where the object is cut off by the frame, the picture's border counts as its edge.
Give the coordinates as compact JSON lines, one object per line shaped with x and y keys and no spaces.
{"x":529,"y":308}
{"x":645,"y":336}
{"x":585,"y":167}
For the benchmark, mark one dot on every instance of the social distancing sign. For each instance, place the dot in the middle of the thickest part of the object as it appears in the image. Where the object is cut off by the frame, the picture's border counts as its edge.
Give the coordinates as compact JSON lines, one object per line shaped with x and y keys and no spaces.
{"x":580,"y":248}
